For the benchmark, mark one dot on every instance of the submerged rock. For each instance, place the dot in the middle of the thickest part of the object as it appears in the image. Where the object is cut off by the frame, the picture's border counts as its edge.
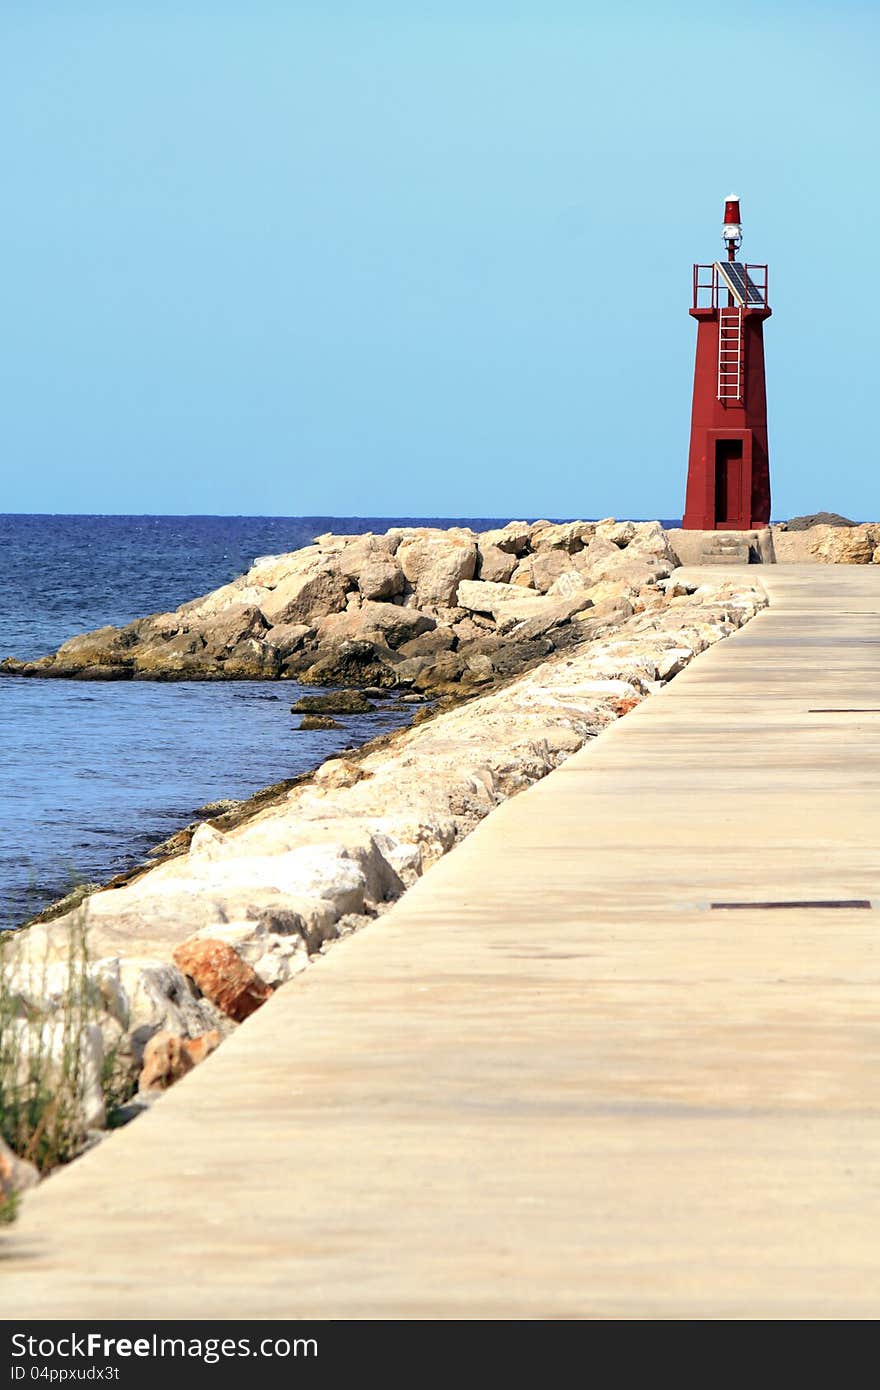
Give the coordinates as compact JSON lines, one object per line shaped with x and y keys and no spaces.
{"x":334,"y":702}
{"x":218,"y":808}
{"x":314,"y":723}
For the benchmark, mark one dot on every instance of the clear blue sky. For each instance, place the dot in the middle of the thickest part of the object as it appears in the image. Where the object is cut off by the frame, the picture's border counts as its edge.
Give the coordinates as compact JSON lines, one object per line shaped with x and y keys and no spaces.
{"x":389,"y":258}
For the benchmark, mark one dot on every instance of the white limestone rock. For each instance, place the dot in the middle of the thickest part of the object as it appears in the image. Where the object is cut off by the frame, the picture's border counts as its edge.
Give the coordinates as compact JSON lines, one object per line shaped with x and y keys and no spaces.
{"x":154,"y":994}
{"x":673,"y":660}
{"x":513,"y":538}
{"x":388,"y":623}
{"x":494,"y":564}
{"x":275,"y":957}
{"x":435,"y":562}
{"x":369,"y":562}
{"x":570,"y":536}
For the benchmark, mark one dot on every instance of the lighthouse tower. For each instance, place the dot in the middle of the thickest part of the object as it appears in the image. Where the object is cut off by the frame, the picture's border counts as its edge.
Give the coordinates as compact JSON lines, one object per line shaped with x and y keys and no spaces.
{"x":728,"y":486}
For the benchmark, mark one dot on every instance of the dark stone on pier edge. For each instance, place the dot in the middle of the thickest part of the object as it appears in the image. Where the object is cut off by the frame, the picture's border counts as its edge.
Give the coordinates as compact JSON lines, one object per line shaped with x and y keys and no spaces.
{"x":804,"y":523}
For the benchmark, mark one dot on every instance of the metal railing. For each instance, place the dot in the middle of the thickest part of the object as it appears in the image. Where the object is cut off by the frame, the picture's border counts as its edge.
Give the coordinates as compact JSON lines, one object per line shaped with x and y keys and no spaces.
{"x":710,"y":291}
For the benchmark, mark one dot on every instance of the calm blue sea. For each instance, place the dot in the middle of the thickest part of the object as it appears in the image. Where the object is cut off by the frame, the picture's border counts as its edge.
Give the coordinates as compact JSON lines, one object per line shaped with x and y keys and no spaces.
{"x":93,"y":774}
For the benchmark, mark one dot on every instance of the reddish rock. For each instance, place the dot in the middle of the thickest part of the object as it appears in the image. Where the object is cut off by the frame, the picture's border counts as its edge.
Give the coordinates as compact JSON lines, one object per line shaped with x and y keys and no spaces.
{"x":16,"y":1175}
{"x":625,"y":703}
{"x":222,"y":976}
{"x":168,"y":1057}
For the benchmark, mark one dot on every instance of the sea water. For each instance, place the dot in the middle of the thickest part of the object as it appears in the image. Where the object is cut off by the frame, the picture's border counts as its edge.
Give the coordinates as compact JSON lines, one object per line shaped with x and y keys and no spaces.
{"x":93,"y":773}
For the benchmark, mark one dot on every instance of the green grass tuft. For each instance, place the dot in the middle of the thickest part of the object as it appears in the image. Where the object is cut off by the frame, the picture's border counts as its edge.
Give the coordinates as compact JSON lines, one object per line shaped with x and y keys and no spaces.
{"x":42,"y":1059}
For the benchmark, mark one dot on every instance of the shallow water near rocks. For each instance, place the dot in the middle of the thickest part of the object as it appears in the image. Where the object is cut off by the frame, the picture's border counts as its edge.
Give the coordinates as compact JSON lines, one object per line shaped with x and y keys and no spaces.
{"x":107,"y":770}
{"x":93,"y":774}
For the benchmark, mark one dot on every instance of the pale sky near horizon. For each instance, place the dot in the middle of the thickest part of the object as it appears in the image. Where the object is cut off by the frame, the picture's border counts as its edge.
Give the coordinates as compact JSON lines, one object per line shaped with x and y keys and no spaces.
{"x":401,"y":259}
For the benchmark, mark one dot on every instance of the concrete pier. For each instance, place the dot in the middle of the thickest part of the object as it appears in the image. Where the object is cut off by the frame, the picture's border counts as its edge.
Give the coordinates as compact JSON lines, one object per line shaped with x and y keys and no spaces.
{"x":555,"y":1080}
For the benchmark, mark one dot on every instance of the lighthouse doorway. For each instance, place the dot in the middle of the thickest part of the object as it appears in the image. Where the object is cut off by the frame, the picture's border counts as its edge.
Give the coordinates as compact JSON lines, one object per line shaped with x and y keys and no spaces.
{"x":728,"y":481}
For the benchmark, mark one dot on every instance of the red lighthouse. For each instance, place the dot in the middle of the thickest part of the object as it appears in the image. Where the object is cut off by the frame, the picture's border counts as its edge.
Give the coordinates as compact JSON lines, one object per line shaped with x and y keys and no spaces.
{"x":728,"y":486}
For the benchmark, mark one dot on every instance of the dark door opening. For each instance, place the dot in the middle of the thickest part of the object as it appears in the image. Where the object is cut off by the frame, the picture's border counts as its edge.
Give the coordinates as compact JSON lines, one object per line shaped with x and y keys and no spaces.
{"x":728,"y":480}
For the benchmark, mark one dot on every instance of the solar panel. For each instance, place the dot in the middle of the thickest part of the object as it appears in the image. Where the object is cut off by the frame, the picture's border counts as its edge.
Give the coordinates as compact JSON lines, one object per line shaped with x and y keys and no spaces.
{"x":740,"y":284}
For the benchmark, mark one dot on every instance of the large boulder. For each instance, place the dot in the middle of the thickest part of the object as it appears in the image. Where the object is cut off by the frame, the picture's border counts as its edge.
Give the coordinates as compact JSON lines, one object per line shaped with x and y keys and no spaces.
{"x":387,"y":623}
{"x":303,"y":597}
{"x":493,"y":563}
{"x":286,"y":588}
{"x":107,"y":646}
{"x":435,"y":562}
{"x":348,"y":869}
{"x":601,"y":549}
{"x":221,"y":974}
{"x":620,"y":533}
{"x":438,"y":675}
{"x":649,"y":538}
{"x":380,"y":578}
{"x":369,"y":562}
{"x":146,"y":996}
{"x":276,"y":956}
{"x":231,"y":626}
{"x":599,"y":618}
{"x":643,"y":560}
{"x":353,"y":662}
{"x":635,"y":572}
{"x":262,"y":579}
{"x":511,"y":606}
{"x":251,"y":660}
{"x":439,"y":639}
{"x":570,"y":536}
{"x":479,"y":596}
{"x":288,"y":638}
{"x":541,"y":570}
{"x":232,"y":647}
{"x":513,"y":538}
{"x":603,"y":591}
{"x":836,"y":545}
{"x":332,"y":542}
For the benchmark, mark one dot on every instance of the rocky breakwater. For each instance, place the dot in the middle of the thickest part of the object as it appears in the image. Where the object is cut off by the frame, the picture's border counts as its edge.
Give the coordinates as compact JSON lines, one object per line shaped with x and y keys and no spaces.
{"x":420,"y":609}
{"x":837,"y":542}
{"x":186,"y":952}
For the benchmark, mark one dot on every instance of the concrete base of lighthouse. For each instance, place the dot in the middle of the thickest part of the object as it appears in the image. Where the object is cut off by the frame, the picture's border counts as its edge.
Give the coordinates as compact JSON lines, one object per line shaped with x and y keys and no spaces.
{"x":712,"y":547}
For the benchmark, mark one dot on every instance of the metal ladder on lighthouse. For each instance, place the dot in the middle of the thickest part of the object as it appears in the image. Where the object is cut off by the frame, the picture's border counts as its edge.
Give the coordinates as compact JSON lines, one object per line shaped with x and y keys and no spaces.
{"x":730,"y":354}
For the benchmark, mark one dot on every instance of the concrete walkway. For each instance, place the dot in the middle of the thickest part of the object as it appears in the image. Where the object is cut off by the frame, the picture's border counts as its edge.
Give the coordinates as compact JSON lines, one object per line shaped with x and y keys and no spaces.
{"x":552,"y":1082}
